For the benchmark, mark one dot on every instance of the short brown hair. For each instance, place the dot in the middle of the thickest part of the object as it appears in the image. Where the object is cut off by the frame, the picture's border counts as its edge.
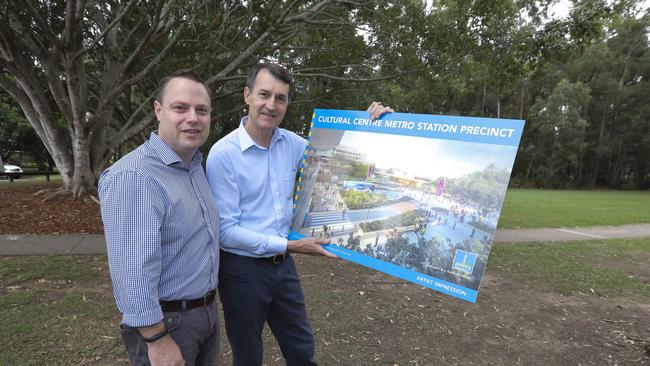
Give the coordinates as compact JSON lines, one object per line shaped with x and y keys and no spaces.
{"x":183,"y":73}
{"x":276,"y":70}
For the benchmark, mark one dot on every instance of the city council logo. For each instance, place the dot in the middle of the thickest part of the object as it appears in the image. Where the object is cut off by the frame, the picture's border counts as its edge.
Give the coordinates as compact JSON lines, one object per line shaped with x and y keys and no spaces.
{"x":464,"y":261}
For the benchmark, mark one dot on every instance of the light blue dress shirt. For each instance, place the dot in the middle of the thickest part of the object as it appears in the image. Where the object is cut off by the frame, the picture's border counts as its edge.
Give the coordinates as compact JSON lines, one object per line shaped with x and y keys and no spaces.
{"x":253,"y":187}
{"x":162,"y":230}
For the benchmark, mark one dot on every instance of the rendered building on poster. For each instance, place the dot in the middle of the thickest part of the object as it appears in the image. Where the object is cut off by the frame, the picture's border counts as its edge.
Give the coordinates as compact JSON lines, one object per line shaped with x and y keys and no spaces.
{"x":415,"y":196}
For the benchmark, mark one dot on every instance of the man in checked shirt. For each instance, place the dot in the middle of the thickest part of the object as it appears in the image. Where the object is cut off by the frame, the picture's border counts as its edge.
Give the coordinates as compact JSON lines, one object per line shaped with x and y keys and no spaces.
{"x":162,"y":234}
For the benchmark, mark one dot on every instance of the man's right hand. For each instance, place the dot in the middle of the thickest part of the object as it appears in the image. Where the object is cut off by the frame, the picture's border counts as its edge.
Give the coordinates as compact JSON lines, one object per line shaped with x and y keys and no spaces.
{"x":377,"y":110}
{"x":310,"y":246}
{"x":165,"y":352}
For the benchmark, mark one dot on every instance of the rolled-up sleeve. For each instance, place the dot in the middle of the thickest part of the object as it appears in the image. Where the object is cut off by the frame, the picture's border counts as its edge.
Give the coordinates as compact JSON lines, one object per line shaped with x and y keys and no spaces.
{"x":133,"y":209}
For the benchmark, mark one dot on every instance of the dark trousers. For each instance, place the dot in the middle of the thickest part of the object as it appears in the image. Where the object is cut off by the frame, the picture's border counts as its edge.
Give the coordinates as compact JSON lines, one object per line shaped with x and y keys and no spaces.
{"x":254,"y":292}
{"x":196,"y":331}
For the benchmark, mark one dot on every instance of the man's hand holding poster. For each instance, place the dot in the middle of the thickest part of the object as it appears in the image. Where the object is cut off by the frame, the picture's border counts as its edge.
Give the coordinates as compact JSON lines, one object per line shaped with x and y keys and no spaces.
{"x":415,"y":196}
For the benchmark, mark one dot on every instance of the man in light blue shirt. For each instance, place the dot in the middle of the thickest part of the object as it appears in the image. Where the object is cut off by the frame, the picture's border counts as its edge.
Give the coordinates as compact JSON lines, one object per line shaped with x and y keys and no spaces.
{"x":162,"y":234}
{"x":252,"y":172}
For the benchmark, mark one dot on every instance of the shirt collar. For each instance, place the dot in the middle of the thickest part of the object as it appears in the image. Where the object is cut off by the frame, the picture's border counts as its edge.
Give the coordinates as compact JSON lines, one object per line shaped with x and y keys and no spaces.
{"x":168,"y":155}
{"x":246,"y":141}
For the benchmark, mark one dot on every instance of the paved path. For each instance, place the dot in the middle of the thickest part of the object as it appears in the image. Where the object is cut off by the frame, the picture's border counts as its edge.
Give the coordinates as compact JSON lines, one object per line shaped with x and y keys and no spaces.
{"x":94,"y":244}
{"x":566,"y":234}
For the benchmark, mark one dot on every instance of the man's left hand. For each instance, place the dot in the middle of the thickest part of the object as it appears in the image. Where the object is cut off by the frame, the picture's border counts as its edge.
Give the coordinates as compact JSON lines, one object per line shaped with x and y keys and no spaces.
{"x":310,"y":246}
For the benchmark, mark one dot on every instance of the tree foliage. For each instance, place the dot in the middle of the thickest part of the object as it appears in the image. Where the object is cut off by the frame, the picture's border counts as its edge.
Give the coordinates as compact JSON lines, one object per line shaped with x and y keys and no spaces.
{"x":357,"y":200}
{"x":485,"y":188}
{"x":84,"y":72}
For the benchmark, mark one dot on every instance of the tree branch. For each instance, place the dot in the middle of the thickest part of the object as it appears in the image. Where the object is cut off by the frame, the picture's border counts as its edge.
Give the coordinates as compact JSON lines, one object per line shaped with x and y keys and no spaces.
{"x":140,"y":109}
{"x":125,"y":134}
{"x":110,"y":26}
{"x":335,"y":67}
{"x":248,"y":52}
{"x":153,"y":63}
{"x":161,"y":24}
{"x":51,"y":67}
{"x":23,"y":100}
{"x":70,"y":20}
{"x":343,"y":78}
{"x":45,"y":27}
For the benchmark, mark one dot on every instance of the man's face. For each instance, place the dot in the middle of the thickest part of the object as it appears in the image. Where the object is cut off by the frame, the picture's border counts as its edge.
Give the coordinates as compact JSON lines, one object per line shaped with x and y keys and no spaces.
{"x":267,"y":102}
{"x":184,"y":116}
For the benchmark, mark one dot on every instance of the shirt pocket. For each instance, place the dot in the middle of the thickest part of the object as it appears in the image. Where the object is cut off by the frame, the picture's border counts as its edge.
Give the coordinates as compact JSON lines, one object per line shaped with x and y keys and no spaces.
{"x":290,"y":184}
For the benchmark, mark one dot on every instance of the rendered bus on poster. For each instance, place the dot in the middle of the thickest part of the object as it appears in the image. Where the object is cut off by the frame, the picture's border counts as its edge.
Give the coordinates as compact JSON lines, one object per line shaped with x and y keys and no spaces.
{"x":415,"y":196}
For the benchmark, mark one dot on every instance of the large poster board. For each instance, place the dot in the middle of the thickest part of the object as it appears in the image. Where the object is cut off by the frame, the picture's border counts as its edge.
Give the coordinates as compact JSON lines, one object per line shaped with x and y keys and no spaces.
{"x":415,"y":196}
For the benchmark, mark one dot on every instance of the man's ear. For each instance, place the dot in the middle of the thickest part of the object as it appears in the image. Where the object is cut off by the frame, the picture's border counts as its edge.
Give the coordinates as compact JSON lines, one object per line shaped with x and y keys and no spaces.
{"x":157,"y":108}
{"x":247,"y":95}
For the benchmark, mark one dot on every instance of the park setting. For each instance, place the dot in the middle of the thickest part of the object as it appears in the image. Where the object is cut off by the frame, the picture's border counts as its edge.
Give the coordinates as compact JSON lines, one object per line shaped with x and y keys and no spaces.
{"x":564,"y":214}
{"x":560,"y":302}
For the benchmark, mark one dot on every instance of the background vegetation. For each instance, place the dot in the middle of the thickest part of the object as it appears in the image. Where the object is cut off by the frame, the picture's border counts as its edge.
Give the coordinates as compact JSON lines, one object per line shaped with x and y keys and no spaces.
{"x":85,"y":73}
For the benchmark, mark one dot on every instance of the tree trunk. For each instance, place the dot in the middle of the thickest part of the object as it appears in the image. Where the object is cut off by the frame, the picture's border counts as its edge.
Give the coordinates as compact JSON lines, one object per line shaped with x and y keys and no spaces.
{"x":522,"y":98}
{"x":529,"y":168}
{"x":93,"y":71}
{"x":83,"y":179}
{"x":483,"y":100}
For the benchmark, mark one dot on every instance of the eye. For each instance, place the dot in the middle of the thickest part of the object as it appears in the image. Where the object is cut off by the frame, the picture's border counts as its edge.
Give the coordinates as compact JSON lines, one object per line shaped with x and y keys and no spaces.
{"x":203,"y":111}
{"x":179,"y":108}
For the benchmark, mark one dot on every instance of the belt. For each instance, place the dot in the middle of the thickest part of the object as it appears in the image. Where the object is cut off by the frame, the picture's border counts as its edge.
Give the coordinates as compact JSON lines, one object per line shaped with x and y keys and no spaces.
{"x":276,"y":259}
{"x":180,"y":305}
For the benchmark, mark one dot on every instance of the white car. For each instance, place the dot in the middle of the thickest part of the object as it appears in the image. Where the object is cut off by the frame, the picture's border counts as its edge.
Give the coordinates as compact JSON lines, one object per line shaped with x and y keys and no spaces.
{"x":15,"y":170}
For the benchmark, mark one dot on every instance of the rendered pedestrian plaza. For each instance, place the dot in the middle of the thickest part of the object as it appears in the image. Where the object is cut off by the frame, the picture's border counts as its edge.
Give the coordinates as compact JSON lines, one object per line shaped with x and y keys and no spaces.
{"x":419,"y":223}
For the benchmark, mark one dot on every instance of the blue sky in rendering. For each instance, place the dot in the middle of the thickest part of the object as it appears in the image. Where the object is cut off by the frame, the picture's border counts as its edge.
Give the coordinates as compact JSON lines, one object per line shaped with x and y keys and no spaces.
{"x":426,"y":157}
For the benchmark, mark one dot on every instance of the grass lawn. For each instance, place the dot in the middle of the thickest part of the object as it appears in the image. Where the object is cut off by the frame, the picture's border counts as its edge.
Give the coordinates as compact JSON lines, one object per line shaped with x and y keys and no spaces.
{"x":57,"y":310}
{"x":615,"y":267}
{"x":29,"y":180}
{"x":530,"y":208}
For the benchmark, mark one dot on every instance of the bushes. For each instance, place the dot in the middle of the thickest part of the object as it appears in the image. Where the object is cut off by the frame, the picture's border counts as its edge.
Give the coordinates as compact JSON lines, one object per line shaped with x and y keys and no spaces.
{"x":401,"y":220}
{"x":482,"y":226}
{"x":356,"y":200}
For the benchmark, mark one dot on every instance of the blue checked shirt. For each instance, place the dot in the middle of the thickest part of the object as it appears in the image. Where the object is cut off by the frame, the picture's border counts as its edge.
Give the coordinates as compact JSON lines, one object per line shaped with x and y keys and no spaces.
{"x":253,"y":187}
{"x":162,"y":230}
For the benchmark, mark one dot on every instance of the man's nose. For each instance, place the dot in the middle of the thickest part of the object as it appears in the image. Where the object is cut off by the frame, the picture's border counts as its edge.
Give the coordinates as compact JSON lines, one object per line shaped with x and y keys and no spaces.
{"x":192,"y":115}
{"x":272,"y":104}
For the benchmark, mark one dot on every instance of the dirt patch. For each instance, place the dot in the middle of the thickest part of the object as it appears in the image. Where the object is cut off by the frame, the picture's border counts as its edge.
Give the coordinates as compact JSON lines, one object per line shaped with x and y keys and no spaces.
{"x":363,"y":317}
{"x":636,"y":267}
{"x":23,"y":212}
